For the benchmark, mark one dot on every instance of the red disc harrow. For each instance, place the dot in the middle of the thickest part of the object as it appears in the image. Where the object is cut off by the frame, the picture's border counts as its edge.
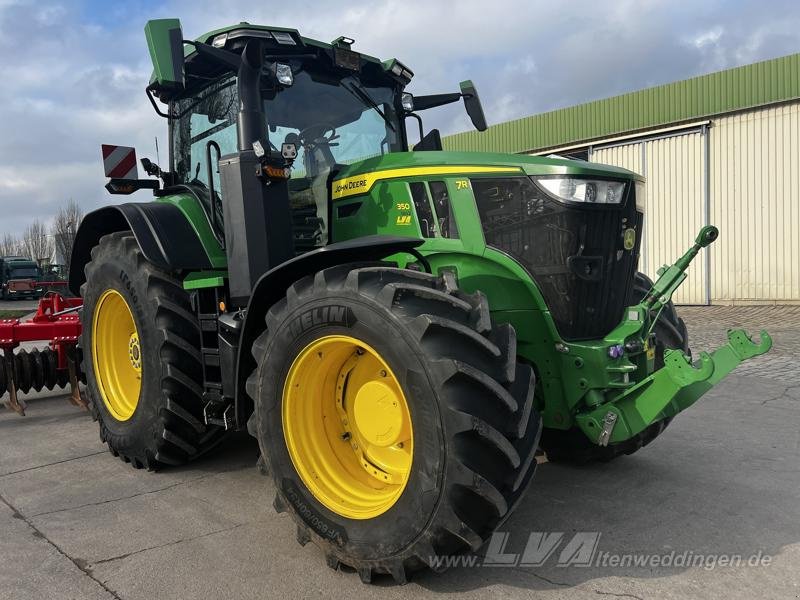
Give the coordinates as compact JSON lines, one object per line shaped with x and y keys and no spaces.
{"x":56,"y":321}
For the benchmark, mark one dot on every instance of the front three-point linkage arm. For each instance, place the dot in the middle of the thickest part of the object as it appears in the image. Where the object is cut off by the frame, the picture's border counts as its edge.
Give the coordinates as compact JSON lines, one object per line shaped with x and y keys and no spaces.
{"x":679,"y":383}
{"x":671,"y":277}
{"x":640,"y":319}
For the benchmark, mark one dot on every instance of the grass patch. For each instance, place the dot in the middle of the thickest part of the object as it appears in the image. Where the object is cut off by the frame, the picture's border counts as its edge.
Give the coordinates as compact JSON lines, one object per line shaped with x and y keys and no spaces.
{"x":13,"y":314}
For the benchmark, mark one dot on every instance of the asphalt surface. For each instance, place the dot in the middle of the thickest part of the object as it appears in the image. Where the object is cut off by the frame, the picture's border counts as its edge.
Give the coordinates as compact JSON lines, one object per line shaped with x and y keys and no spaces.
{"x":723,"y":480}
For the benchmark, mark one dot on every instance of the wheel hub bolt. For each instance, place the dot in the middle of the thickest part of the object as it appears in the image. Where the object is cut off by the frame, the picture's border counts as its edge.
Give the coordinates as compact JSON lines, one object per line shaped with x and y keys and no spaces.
{"x":135,"y":352}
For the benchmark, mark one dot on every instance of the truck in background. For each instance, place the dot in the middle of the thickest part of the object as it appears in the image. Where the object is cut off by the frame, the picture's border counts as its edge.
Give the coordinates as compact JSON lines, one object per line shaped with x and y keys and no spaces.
{"x":20,"y":277}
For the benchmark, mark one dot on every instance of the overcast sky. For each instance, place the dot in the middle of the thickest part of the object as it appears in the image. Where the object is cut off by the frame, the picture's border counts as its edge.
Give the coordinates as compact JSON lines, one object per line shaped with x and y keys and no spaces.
{"x":73,"y":73}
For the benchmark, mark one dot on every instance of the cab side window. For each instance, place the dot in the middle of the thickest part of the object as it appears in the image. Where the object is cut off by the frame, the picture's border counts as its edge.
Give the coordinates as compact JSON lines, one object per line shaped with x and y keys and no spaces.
{"x":207,"y":124}
{"x":422,"y":205}
{"x":445,"y":219}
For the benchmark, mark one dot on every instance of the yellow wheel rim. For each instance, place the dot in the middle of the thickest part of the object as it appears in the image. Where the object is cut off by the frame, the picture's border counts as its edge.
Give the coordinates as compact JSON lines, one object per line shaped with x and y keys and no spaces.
{"x":347,"y":427}
{"x":116,"y":355}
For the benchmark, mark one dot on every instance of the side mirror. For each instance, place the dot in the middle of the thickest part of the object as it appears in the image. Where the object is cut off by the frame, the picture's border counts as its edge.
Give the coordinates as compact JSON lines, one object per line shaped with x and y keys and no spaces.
{"x":472,"y":103}
{"x":165,"y":42}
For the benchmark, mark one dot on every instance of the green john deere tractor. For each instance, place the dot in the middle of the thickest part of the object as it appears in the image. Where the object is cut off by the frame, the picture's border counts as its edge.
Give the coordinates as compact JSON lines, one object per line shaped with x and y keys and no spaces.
{"x":395,"y":328}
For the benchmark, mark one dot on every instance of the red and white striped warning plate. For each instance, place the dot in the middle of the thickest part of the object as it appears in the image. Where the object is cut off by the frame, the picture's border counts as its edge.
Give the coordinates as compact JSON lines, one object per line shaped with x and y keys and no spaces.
{"x":120,"y":162}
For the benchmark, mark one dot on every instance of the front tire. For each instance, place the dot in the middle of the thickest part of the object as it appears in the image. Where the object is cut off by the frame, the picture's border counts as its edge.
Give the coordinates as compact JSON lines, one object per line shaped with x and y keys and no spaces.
{"x":141,"y":358}
{"x":433,"y":352}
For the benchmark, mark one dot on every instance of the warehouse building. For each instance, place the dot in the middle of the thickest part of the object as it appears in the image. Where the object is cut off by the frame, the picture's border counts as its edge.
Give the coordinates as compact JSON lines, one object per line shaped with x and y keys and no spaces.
{"x":722,"y":148}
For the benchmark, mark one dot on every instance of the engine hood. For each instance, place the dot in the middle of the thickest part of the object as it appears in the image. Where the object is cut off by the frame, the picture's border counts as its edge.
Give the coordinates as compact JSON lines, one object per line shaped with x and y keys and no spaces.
{"x":479,"y":162}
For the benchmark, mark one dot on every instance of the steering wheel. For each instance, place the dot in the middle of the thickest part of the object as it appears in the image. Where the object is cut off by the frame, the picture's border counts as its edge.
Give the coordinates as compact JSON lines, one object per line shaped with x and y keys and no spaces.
{"x":321,"y":137}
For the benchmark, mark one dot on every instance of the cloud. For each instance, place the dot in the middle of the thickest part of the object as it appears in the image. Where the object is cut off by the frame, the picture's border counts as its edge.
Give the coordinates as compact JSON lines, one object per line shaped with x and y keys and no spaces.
{"x":74,"y":72}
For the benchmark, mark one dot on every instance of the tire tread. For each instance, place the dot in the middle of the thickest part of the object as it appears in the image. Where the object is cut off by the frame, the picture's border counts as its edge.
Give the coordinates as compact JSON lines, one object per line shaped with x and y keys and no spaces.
{"x":180,"y":432}
{"x":461,"y":347}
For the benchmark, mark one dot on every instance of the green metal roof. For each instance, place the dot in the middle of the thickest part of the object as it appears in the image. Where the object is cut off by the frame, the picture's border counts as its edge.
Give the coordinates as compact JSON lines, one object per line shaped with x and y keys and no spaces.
{"x":744,"y":87}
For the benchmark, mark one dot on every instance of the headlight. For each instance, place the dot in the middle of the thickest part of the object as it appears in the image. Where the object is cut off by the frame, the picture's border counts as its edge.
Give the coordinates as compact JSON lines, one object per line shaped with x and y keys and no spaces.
{"x":220,"y":40}
{"x":589,"y":191}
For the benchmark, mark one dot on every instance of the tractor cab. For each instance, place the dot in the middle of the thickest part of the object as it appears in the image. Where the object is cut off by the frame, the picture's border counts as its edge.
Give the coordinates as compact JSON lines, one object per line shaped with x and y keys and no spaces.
{"x":331,"y":113}
{"x":253,"y":99}
{"x":331,"y":105}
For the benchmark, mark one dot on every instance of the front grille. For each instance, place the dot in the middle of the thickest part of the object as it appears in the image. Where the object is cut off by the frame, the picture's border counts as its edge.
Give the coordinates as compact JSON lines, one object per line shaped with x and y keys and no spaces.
{"x":574,"y":252}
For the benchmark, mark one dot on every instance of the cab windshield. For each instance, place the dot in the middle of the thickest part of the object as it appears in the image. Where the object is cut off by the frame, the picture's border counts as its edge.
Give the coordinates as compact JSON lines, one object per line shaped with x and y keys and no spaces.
{"x":333,"y":121}
{"x":350,"y":119}
{"x":23,"y":273}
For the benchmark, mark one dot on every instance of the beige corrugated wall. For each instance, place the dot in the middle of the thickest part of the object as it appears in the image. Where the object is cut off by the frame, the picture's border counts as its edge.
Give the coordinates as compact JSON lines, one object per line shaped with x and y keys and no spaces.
{"x":628,"y":156}
{"x":674,"y":203}
{"x":674,"y":209}
{"x":755,"y":193}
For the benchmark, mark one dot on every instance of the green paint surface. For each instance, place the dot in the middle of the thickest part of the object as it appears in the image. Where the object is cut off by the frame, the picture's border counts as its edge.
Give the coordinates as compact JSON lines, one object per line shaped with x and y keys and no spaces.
{"x":579,"y":383}
{"x":195,"y":214}
{"x":204,"y":279}
{"x":530,"y":165}
{"x":156,"y":32}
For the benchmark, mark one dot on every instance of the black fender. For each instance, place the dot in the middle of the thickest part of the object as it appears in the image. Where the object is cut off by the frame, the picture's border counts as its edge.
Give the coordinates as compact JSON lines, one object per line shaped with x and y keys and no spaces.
{"x":164,"y":234}
{"x":272,"y":286}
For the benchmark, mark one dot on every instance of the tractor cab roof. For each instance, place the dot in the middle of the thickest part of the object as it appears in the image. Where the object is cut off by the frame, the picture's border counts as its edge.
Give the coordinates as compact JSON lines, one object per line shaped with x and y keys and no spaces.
{"x":281,"y":35}
{"x":288,"y":44}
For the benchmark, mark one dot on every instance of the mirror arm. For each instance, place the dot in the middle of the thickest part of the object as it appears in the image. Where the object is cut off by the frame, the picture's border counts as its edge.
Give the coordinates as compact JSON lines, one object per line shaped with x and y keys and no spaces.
{"x":223,"y":57}
{"x":149,"y":91}
{"x":435,"y":100}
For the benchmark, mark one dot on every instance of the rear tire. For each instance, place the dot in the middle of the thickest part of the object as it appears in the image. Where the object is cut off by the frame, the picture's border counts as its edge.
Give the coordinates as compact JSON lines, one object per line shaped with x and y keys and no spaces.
{"x":572,"y":445}
{"x":470,"y":403}
{"x":166,"y":427}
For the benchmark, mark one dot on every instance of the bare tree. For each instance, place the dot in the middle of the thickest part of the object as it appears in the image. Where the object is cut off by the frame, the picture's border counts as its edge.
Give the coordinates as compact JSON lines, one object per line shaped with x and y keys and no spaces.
{"x":64,"y":228}
{"x":9,"y":245}
{"x":38,"y":244}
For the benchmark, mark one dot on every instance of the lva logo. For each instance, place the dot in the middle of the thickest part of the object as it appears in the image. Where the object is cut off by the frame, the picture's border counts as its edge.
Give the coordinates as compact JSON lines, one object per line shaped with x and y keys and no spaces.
{"x":577,"y":551}
{"x":581,"y":550}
